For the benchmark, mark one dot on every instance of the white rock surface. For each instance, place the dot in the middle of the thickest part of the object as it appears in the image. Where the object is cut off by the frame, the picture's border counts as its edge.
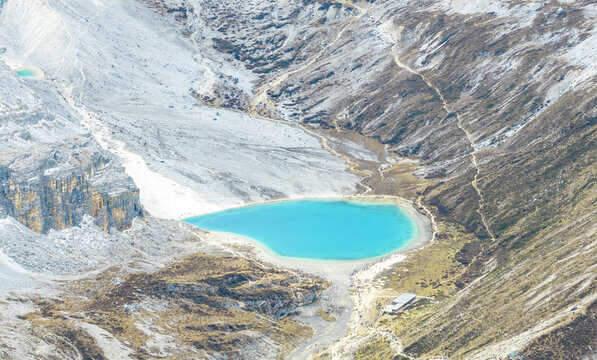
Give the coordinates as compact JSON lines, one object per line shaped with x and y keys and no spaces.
{"x":129,"y":74}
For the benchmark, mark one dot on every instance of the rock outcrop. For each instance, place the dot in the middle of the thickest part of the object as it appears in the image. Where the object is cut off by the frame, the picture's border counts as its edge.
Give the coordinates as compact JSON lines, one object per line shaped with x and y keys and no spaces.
{"x":221,"y":306}
{"x":52,"y":171}
{"x":58,"y":185}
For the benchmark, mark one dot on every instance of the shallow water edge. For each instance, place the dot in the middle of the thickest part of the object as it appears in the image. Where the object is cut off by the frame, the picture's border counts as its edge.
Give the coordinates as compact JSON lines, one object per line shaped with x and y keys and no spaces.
{"x":422,"y":223}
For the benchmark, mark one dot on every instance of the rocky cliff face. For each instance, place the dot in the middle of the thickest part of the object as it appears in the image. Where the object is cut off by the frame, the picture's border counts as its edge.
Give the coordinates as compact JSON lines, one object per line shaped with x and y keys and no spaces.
{"x":56,"y":187}
{"x":52,"y":172}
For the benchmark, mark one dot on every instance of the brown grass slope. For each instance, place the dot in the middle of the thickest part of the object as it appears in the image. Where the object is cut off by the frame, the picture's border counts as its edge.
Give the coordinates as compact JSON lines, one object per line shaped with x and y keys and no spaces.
{"x":203,"y":305}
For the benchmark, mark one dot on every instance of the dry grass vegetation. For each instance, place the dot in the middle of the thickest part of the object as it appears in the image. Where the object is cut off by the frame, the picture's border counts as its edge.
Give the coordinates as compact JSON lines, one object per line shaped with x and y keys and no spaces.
{"x":202,"y":304}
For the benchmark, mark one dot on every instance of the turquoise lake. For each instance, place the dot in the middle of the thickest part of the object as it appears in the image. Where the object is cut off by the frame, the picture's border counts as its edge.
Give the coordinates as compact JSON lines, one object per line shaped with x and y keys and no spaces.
{"x":26,"y":73}
{"x":318,"y":229}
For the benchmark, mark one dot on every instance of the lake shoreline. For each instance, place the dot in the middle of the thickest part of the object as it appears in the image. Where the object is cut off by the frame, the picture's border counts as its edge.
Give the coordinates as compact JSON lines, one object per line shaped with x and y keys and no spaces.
{"x":32,"y":72}
{"x":350,"y":292}
{"x":421,"y":222}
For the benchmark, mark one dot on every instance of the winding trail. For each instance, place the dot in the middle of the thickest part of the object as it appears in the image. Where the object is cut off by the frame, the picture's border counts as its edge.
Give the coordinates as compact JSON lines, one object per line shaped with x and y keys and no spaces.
{"x":386,"y":29}
{"x":468,"y":135}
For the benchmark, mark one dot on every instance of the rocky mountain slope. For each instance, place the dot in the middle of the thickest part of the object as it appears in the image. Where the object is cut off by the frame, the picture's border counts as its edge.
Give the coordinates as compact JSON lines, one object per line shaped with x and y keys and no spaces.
{"x":201,"y":306}
{"x":168,"y":108}
{"x":497,"y":102}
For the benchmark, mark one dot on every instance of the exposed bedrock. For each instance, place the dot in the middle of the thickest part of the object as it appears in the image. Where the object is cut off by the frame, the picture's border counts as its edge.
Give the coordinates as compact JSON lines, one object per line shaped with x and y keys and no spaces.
{"x":56,"y":186}
{"x":227,"y":307}
{"x":52,"y":171}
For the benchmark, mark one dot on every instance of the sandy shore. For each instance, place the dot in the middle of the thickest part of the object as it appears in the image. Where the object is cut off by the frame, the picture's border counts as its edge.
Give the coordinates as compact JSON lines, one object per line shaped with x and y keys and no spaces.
{"x":351,"y":292}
